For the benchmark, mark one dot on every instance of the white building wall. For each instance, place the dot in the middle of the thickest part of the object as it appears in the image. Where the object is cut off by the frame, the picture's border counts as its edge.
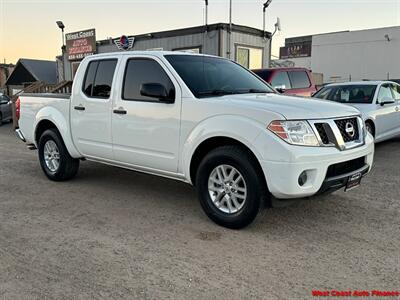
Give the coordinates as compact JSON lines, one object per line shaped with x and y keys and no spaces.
{"x":357,"y":55}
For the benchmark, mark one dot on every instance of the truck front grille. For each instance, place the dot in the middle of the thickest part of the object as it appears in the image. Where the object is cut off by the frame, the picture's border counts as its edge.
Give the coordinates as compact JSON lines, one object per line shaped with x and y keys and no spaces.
{"x":344,"y":133}
{"x":345,"y":126}
{"x":322,"y":133}
{"x":345,"y":167}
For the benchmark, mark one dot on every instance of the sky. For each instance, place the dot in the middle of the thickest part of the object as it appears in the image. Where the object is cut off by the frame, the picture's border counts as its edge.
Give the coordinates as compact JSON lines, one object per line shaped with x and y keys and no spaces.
{"x":28,"y":27}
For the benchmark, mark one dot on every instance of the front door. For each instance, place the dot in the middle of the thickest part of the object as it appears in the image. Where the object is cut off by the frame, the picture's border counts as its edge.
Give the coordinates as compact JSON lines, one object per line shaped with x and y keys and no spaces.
{"x":387,"y":117}
{"x":146,"y":130}
{"x":91,"y":110}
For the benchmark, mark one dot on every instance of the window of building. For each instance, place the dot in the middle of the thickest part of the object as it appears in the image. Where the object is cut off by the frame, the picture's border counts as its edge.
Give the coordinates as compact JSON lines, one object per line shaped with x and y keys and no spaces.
{"x":249,"y":57}
{"x":99,"y":77}
{"x":281,"y":80}
{"x":142,"y":70}
{"x":299,"y":79}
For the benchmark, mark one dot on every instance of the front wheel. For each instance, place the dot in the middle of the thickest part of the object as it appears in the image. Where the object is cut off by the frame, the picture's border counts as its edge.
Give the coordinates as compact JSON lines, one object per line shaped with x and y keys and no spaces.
{"x":230,"y":186}
{"x":54,"y":158}
{"x":369,"y":128}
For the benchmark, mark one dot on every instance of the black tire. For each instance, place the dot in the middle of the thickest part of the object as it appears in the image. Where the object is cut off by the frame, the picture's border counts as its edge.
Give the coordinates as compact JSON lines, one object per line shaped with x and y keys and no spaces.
{"x":248,"y":167}
{"x":68,"y":166}
{"x":1,"y":119}
{"x":370,"y":128}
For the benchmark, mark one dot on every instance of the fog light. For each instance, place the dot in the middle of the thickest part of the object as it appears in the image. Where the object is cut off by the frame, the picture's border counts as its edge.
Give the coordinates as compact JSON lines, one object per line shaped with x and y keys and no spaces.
{"x":303,"y":178}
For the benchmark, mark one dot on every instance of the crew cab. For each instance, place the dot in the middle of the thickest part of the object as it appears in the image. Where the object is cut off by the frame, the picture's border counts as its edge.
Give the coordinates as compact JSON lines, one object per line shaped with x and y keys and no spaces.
{"x":200,"y":119}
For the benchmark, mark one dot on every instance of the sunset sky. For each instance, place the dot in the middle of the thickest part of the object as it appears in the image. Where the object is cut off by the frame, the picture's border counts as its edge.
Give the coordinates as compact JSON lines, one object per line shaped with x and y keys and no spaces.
{"x":28,"y":28}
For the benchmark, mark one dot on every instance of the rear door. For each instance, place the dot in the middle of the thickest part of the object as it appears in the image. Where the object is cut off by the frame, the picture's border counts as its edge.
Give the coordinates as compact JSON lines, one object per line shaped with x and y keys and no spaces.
{"x":146,"y":130}
{"x":301,"y":83}
{"x":91,"y":110}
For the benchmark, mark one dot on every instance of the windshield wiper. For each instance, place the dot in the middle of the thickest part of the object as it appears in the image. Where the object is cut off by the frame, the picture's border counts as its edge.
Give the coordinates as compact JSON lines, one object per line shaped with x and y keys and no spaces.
{"x":232,"y":92}
{"x":216,"y":93}
{"x":254,"y":91}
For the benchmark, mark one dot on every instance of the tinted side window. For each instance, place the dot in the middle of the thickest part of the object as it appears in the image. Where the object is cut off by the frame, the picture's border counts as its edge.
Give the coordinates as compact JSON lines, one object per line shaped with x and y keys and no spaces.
{"x":140,"y":71}
{"x":104,"y":77}
{"x":89,"y":78}
{"x":281,"y":80}
{"x":299,"y":79}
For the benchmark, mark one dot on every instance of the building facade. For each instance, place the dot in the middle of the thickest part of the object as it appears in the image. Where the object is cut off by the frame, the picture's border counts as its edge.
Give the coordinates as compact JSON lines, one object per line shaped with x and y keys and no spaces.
{"x":5,"y":72}
{"x":248,"y":46}
{"x":370,"y":54}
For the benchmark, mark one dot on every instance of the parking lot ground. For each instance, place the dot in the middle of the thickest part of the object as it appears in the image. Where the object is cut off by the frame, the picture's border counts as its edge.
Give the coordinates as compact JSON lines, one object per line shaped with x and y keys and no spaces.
{"x":112,"y":233}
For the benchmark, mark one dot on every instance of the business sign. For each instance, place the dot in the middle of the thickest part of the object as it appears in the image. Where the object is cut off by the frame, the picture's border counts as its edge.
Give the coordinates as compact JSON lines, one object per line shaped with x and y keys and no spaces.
{"x":296,"y":50}
{"x":124,"y":42}
{"x":80,"y":44}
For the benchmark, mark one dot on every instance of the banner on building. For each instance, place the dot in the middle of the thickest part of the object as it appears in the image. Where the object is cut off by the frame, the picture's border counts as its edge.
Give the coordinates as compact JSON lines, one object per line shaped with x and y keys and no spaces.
{"x":80,"y":44}
{"x":296,"y":50}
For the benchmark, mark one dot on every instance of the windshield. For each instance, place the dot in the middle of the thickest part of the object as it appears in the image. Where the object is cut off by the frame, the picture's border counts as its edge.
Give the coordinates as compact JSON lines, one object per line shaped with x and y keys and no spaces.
{"x":211,"y":76}
{"x":348,"y":93}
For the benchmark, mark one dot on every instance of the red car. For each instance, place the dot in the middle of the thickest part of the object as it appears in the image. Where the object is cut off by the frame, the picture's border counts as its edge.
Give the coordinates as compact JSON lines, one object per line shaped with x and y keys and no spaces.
{"x":289,"y":81}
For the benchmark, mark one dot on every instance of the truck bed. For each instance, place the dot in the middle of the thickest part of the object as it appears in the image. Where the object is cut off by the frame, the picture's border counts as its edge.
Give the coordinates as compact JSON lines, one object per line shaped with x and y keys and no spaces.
{"x":45,"y":106}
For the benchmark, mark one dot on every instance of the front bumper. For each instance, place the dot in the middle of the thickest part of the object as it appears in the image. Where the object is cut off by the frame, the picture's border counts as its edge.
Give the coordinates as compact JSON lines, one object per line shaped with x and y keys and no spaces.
{"x":335,"y":183}
{"x":283,"y":176}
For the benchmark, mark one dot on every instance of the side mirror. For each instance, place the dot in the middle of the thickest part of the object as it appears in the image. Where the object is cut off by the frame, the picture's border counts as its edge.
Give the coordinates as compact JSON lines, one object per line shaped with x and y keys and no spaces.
{"x":280,"y":88}
{"x":386,"y":100}
{"x":156,"y":90}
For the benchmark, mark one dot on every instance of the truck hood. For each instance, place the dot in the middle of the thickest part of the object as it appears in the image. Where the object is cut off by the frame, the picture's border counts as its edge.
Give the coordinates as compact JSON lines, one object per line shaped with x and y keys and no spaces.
{"x":293,"y":108}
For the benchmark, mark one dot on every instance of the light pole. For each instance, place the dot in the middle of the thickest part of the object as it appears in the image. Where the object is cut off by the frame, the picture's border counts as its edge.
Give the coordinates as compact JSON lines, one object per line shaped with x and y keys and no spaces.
{"x":230,"y":30}
{"x":265,"y":6}
{"x":206,"y":13}
{"x":60,"y":25}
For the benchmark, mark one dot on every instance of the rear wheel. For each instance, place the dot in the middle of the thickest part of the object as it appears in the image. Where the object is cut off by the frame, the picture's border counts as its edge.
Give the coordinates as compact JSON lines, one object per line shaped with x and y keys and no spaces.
{"x":230,"y":186}
{"x":1,"y":119}
{"x":54,"y":158}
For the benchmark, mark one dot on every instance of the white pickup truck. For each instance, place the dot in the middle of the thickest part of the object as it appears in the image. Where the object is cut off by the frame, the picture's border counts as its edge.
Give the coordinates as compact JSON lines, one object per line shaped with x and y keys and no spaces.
{"x":204,"y":120}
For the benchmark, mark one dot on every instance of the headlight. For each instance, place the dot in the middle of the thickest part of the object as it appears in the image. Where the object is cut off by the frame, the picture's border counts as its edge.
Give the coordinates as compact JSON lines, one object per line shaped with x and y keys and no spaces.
{"x":294,"y":132}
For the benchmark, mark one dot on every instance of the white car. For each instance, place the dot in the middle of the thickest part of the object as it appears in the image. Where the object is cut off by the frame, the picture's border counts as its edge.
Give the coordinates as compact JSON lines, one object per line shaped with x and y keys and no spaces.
{"x":200,"y":119}
{"x":378,"y":101}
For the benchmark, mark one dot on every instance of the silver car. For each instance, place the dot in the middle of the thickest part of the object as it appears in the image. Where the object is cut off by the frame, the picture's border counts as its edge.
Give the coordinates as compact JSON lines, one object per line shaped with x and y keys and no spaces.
{"x":378,"y":101}
{"x":5,"y":109}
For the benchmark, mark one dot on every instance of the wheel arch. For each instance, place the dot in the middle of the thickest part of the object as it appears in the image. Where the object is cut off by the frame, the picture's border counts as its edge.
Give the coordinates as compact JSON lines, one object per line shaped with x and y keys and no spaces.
{"x":212,"y":143}
{"x":48,"y":118}
{"x":372,"y":123}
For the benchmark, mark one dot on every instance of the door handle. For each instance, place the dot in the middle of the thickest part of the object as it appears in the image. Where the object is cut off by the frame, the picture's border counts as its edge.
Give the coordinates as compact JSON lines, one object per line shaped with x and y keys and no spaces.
{"x":120,"y":111}
{"x":79,"y":107}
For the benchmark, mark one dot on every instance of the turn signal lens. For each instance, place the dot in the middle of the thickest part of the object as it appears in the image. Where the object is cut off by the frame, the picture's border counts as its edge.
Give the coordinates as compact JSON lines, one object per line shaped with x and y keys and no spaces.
{"x":294,"y":132}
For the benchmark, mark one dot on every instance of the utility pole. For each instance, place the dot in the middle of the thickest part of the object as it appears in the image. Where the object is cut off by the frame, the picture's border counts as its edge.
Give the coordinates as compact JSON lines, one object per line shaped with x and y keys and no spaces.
{"x":230,"y":30}
{"x":60,"y":25}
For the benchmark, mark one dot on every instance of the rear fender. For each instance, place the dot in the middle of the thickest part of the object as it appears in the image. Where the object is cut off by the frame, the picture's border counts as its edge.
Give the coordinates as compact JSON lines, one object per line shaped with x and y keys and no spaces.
{"x":57,"y":118}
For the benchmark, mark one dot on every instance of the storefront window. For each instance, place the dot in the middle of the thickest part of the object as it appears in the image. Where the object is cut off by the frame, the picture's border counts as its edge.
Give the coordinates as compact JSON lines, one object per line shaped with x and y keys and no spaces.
{"x":248,"y":57}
